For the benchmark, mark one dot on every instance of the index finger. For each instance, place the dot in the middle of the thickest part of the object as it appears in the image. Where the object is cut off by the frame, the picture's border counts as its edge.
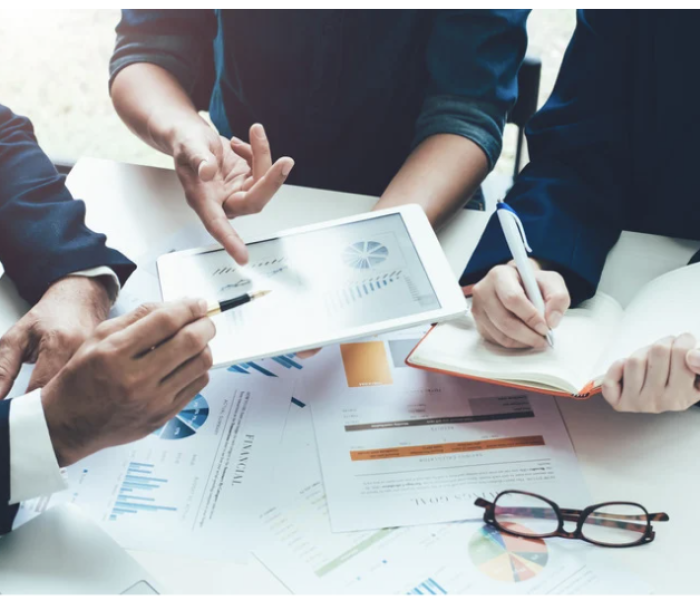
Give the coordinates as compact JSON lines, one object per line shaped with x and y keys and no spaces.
{"x":160,"y":325}
{"x":214,"y":219}
{"x":512,"y":295}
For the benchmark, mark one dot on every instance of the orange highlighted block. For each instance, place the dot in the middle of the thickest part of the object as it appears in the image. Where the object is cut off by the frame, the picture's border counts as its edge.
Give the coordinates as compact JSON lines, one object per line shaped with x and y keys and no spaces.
{"x":366,"y":364}
{"x":450,"y":448}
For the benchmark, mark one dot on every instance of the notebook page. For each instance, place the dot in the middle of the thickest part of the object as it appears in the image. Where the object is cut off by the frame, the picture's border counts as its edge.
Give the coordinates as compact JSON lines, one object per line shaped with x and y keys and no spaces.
{"x":578,"y":342}
{"x":668,"y":305}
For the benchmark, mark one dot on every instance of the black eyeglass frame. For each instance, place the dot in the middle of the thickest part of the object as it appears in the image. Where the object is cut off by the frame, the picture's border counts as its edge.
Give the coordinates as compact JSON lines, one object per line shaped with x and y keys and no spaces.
{"x":571,"y":515}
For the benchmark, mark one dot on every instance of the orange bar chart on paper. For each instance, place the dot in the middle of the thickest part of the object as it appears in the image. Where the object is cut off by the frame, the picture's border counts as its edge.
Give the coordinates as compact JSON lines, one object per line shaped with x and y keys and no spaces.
{"x":400,"y":446}
{"x":449,"y":448}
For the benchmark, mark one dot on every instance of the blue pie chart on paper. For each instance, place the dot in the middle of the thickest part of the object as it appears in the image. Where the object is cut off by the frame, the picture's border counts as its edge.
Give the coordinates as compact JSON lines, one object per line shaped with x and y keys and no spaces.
{"x":365,"y":255}
{"x":187,"y":421}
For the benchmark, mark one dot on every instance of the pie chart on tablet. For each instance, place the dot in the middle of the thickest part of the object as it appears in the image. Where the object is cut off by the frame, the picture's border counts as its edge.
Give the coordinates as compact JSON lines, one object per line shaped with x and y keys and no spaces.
{"x":186,"y":422}
{"x":507,"y":558}
{"x":365,"y":255}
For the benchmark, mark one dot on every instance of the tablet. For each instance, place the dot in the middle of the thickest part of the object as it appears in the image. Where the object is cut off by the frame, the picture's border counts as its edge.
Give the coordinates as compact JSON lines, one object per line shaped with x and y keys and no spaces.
{"x":330,"y":282}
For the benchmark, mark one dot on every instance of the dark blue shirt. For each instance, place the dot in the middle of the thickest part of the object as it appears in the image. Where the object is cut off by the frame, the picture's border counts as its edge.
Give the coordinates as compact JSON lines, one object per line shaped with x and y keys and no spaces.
{"x":614,"y":148}
{"x":346,"y":93}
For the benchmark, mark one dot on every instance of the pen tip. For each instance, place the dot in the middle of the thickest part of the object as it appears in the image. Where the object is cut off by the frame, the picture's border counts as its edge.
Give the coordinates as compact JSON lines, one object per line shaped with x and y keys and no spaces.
{"x":550,"y":339}
{"x":261,"y":293}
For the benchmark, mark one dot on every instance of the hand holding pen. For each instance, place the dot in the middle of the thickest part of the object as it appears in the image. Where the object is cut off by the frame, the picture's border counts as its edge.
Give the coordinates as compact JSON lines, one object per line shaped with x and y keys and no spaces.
{"x":518,"y":304}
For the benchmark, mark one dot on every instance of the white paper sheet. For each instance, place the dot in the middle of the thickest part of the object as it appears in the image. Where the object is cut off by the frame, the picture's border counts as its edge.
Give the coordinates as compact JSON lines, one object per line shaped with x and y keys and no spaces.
{"x":299,"y":548}
{"x":194,"y":486}
{"x":400,"y":446}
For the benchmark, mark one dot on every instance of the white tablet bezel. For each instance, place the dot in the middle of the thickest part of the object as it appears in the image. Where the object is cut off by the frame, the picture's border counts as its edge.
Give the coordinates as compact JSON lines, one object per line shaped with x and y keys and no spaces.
{"x":430,"y":253}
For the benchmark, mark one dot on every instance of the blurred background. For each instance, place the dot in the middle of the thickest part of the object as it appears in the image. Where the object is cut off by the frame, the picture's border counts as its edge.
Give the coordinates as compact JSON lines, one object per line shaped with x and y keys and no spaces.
{"x":53,"y":69}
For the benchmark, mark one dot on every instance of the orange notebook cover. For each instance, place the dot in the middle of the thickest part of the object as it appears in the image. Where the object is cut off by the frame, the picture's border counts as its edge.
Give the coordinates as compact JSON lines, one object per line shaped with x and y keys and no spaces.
{"x":589,"y":390}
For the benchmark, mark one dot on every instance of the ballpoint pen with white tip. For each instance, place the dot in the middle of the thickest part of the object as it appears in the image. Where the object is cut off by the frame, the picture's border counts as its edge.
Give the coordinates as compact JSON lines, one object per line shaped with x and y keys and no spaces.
{"x":517,"y":244}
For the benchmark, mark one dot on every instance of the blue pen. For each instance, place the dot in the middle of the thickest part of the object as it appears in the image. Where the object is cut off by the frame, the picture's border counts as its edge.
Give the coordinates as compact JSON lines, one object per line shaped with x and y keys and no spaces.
{"x":514,"y":232}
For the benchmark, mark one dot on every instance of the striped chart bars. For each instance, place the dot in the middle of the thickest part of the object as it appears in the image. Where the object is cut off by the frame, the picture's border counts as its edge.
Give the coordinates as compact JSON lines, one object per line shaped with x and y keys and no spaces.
{"x":341,"y":299}
{"x":137,"y":490}
{"x":429,"y":587}
{"x":287,"y":361}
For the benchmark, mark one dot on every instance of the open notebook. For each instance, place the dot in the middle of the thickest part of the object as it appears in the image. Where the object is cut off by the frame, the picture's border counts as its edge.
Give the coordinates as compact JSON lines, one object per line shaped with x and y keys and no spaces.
{"x":588,"y":340}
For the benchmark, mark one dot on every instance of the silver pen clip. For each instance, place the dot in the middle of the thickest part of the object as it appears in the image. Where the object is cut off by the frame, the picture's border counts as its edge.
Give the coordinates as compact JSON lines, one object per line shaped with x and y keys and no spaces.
{"x":508,"y":210}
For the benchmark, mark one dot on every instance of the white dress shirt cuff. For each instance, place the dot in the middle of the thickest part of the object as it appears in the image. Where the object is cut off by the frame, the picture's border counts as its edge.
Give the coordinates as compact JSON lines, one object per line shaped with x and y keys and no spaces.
{"x":113,"y":287}
{"x":34,"y":469}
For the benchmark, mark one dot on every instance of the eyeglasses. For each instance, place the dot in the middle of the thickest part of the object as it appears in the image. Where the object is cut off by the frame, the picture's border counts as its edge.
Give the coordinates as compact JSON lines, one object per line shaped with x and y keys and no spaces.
{"x":611,"y":524}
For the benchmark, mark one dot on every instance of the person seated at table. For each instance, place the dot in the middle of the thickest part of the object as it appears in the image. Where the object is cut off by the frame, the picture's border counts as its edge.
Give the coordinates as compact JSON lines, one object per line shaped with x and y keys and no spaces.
{"x":613,"y":148}
{"x":94,"y":385}
{"x":406,"y":105}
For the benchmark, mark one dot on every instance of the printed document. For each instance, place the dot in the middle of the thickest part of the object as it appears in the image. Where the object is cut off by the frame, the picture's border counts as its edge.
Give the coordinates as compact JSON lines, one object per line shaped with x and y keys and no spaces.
{"x":299,"y":548}
{"x":195,"y":485}
{"x":400,"y":446}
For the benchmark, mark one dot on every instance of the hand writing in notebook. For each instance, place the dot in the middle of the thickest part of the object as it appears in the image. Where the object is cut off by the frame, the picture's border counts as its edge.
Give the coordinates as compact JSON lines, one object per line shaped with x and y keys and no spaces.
{"x":505,"y":316}
{"x":658,"y":378}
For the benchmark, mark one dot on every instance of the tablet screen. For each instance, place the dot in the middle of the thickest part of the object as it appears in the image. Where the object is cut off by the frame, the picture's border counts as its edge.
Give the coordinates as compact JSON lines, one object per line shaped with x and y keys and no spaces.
{"x":323,"y":282}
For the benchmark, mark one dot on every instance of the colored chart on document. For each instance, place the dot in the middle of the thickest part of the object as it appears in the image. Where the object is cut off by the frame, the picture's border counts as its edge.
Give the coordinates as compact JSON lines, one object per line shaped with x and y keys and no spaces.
{"x":507,"y":558}
{"x":186,"y":422}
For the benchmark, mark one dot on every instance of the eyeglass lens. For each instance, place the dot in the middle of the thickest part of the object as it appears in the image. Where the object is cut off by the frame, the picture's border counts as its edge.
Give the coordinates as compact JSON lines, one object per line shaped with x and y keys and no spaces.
{"x":617,"y":524}
{"x":524,"y":514}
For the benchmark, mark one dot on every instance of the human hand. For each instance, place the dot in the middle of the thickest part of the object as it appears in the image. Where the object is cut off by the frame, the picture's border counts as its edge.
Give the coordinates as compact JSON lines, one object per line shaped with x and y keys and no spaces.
{"x":505,"y":316}
{"x":659,"y":378}
{"x":225,"y":179}
{"x":51,"y":332}
{"x":129,"y":378}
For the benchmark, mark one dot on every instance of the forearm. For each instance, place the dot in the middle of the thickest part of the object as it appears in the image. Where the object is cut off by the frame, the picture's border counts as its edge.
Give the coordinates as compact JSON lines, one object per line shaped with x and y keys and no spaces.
{"x":154,"y":105}
{"x":440,"y":175}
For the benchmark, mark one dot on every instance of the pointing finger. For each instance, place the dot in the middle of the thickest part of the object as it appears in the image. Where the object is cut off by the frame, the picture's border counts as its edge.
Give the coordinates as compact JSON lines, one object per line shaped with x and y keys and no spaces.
{"x":214,"y":219}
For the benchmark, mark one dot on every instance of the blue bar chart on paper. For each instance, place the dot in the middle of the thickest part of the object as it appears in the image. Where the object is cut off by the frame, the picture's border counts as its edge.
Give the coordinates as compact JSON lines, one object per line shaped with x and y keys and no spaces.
{"x":428,"y":588}
{"x":137,"y":492}
{"x":276,"y":366}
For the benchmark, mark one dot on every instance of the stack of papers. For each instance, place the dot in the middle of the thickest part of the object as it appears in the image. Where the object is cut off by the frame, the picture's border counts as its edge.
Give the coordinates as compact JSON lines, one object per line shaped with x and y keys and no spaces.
{"x":346,"y":473}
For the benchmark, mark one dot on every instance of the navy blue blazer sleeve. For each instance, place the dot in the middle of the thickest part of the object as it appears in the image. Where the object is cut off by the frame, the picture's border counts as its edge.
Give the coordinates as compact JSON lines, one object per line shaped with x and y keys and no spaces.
{"x":43,"y":236}
{"x":570,"y":196}
{"x":7,"y":513}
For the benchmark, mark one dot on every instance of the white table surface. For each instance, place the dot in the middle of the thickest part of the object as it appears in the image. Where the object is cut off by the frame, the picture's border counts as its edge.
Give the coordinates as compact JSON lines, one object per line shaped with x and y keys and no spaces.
{"x":654,"y":460}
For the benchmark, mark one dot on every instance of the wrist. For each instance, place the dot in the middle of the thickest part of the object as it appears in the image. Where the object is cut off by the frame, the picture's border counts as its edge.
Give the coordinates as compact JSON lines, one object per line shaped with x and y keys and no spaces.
{"x":170,"y":132}
{"x":65,"y":442}
{"x":92,"y":294}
